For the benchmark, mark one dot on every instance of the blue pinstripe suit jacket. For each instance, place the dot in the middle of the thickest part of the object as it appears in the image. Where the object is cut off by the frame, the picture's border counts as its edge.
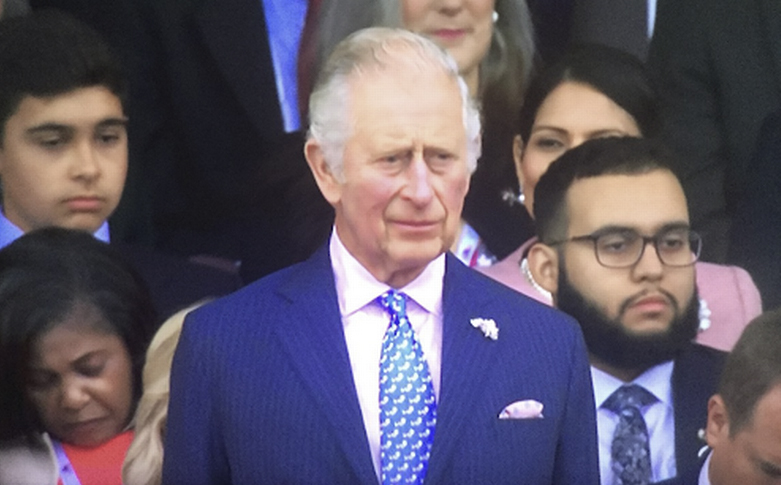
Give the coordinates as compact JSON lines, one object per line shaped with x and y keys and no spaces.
{"x":262,"y":390}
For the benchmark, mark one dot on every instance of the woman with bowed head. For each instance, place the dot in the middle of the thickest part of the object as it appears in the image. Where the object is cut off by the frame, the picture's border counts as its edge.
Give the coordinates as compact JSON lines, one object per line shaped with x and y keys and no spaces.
{"x":75,"y":320}
{"x":596,"y":91}
{"x":492,"y":41}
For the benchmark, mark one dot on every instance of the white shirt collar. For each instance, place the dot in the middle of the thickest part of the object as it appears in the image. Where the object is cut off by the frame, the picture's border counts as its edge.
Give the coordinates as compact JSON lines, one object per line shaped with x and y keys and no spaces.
{"x":356,"y":287}
{"x":704,"y":478}
{"x":657,"y":380}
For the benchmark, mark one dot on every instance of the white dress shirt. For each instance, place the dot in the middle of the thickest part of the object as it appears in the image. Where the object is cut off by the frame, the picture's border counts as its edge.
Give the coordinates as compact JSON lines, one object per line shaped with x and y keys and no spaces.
{"x":365,"y":323}
{"x":9,"y":232}
{"x":659,"y":419}
{"x":704,"y":477}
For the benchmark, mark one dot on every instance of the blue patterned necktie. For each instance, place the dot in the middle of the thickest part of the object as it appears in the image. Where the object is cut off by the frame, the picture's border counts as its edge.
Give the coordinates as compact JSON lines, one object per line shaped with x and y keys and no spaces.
{"x":408,"y":405}
{"x":630,"y":452}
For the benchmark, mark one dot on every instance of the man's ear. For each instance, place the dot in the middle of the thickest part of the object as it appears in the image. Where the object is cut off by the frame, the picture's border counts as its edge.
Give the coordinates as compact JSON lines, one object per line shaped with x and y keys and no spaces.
{"x":329,"y":186}
{"x":544,"y":266}
{"x":518,"y":157}
{"x":717,"y":429}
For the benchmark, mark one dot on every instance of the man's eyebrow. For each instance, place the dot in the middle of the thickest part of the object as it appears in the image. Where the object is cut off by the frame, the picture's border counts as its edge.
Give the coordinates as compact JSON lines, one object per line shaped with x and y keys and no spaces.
{"x":614,"y":228}
{"x":672,"y":226}
{"x":111,"y":122}
{"x":48,"y":127}
{"x":60,"y":127}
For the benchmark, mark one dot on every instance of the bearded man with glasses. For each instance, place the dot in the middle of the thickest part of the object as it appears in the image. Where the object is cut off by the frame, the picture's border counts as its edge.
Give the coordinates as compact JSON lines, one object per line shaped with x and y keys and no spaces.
{"x":617,"y":253}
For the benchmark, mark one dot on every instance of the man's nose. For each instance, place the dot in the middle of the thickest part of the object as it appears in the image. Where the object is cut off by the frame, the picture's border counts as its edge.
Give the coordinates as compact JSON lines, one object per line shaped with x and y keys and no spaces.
{"x":420,"y":190}
{"x":649,"y":266}
{"x":85,"y":163}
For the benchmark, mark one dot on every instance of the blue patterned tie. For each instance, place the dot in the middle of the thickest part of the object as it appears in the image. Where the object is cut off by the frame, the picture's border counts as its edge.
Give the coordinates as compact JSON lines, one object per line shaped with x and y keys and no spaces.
{"x":631,"y":455}
{"x":408,"y":405}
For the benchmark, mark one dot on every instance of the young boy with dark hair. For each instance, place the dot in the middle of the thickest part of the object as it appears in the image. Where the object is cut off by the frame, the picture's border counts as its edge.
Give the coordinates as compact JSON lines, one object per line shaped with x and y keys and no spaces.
{"x":64,"y":147}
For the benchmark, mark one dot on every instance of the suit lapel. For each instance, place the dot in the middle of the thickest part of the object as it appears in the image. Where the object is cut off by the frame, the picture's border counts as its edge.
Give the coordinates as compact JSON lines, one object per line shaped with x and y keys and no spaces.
{"x":771,"y":18}
{"x":467,"y":358}
{"x":693,"y":385}
{"x":235,"y":33}
{"x":316,"y":344}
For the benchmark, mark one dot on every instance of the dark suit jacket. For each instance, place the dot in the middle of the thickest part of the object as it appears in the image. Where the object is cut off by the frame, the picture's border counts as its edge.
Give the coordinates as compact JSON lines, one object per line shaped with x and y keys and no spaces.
{"x":211,"y":169}
{"x":718,"y":63}
{"x":262,"y":390}
{"x":756,"y":231}
{"x":622,"y":25}
{"x":214,"y":137}
{"x":175,"y":283}
{"x":695,"y":379}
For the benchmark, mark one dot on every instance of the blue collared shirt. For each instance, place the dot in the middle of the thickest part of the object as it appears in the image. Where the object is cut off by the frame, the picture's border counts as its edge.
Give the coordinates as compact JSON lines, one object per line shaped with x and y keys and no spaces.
{"x":10,"y":233}
{"x":285,"y":23}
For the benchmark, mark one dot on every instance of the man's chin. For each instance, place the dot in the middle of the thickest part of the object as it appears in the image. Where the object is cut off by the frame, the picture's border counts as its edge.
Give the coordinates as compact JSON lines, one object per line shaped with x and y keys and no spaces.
{"x":416,"y":253}
{"x":623,"y":345}
{"x":648,"y":327}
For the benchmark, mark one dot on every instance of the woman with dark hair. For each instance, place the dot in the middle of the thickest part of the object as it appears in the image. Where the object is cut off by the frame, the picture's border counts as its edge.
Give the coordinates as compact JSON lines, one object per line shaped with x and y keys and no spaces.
{"x":75,"y":321}
{"x":591,"y":92}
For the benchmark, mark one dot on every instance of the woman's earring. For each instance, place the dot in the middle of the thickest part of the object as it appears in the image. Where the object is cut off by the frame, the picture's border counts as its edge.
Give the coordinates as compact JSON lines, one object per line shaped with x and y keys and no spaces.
{"x":495,"y":16}
{"x":511,"y":198}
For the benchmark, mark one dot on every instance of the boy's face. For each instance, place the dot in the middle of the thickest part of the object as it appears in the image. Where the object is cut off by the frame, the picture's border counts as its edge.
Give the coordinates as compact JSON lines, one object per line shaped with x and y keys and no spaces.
{"x":63,"y":160}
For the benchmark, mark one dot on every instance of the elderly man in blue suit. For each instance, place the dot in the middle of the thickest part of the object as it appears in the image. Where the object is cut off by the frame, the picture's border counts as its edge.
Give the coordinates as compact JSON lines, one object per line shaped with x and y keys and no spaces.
{"x":382,"y":359}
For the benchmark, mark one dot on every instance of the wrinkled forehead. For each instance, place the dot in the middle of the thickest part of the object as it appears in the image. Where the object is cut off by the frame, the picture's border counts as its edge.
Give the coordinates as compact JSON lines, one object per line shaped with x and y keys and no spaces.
{"x":645,"y":202}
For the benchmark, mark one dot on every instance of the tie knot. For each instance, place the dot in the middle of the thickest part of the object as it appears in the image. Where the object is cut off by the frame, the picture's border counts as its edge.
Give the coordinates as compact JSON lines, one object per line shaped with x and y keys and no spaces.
{"x":631,"y":396}
{"x":394,"y":302}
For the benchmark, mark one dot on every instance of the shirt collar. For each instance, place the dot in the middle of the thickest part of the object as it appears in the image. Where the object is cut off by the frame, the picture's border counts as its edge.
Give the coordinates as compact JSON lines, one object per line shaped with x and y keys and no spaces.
{"x":704,"y":477}
{"x":9,"y":232}
{"x":356,"y":287}
{"x":657,"y":380}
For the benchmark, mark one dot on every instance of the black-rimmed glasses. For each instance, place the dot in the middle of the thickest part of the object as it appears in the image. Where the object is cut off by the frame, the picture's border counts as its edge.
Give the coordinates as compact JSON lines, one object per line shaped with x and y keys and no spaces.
{"x":625,"y":247}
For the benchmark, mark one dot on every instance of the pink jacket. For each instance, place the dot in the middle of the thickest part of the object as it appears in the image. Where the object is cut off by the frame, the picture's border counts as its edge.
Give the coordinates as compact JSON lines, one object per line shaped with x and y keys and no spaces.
{"x":730,"y":293}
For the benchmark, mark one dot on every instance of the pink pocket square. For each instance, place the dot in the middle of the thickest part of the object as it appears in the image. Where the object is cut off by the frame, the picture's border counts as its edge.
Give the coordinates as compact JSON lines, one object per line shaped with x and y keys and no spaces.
{"x":528,"y":409}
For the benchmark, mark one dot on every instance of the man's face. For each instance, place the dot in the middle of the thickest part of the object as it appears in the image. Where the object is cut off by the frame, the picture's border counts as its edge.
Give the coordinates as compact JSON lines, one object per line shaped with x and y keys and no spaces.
{"x":753,"y":454}
{"x":63,"y":160}
{"x":398,"y":204}
{"x":648,"y":304}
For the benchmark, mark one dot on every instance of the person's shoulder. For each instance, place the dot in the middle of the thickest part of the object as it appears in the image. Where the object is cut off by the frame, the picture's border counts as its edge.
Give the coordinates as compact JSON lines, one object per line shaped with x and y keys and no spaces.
{"x":28,"y":462}
{"x":712,"y":271}
{"x":176,"y":282}
{"x":721,"y":284}
{"x":270,"y":293}
{"x":702,"y":357}
{"x":507,"y":271}
{"x":528,"y":313}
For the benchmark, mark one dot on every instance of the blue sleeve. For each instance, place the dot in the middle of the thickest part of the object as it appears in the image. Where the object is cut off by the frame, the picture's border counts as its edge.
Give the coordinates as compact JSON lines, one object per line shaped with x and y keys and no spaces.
{"x":577,"y":457}
{"x":194,"y":451}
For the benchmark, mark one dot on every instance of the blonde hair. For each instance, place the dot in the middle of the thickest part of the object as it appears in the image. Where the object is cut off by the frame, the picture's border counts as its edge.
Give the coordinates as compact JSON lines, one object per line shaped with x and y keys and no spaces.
{"x":144,"y":460}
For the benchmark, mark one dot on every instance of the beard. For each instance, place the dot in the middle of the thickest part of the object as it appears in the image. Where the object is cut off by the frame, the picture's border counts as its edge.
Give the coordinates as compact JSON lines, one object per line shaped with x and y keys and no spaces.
{"x":609,"y":341}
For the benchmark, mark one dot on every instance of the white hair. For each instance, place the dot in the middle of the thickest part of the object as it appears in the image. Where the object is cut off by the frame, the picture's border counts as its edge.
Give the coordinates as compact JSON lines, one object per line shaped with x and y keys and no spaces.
{"x":376,"y":47}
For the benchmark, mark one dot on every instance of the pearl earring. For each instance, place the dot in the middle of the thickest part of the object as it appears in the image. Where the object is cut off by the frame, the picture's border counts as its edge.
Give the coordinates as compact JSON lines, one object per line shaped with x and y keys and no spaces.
{"x":511,"y":198}
{"x":495,"y":16}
